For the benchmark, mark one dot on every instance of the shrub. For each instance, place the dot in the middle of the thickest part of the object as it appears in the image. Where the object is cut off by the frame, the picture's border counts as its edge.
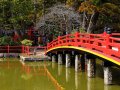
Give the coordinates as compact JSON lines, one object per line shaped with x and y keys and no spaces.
{"x":27,"y":42}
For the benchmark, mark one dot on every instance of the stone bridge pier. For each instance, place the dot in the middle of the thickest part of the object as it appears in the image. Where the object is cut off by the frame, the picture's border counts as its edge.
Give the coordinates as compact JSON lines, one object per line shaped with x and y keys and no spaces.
{"x":83,"y":61}
{"x":54,"y":58}
{"x":60,"y":58}
{"x":107,"y":72}
{"x":68,"y":59}
{"x":91,"y":65}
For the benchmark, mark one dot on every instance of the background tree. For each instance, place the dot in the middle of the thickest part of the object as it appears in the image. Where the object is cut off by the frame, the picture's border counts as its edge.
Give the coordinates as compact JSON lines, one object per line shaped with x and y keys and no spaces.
{"x":20,"y":14}
{"x":97,"y":13}
{"x":59,"y":20}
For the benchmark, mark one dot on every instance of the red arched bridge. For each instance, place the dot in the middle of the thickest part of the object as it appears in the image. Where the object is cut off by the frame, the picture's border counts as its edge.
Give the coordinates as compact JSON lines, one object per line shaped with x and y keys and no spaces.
{"x":106,"y":46}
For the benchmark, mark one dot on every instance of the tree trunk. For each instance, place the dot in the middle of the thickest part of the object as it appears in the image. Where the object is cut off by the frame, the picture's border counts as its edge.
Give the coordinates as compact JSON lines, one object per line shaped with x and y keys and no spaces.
{"x":84,"y":21}
{"x":93,"y":21}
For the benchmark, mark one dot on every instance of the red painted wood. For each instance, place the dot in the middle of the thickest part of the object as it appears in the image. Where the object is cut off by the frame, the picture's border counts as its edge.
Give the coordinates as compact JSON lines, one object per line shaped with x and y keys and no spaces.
{"x":19,"y":49}
{"x":10,"y":49}
{"x":103,"y":43}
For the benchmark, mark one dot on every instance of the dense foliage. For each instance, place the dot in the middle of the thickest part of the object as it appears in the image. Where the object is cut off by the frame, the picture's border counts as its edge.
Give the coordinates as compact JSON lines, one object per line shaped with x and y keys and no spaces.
{"x":7,"y":40}
{"x":20,"y":14}
{"x":98,"y":13}
{"x":95,"y":15}
{"x":15,"y":14}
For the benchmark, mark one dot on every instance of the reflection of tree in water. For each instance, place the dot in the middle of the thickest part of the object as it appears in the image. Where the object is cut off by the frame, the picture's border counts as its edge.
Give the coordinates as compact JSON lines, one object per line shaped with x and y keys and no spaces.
{"x":26,"y":76}
{"x":27,"y":73}
{"x":33,"y":69}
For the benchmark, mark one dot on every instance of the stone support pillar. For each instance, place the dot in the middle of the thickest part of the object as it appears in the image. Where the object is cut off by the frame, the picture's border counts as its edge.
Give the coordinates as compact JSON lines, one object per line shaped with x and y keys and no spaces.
{"x":68,"y":60}
{"x":77,"y":62}
{"x":91,"y":67}
{"x":54,"y":58}
{"x":107,"y":75}
{"x":60,"y":61}
{"x":107,"y":72}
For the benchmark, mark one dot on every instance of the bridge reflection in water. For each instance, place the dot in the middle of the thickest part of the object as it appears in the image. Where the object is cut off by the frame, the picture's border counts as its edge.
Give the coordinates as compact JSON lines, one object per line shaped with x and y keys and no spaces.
{"x":72,"y":80}
{"x":33,"y":77}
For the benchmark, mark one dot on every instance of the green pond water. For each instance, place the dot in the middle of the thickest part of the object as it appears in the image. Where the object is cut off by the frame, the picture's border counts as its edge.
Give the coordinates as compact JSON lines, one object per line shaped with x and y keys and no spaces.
{"x":31,"y":76}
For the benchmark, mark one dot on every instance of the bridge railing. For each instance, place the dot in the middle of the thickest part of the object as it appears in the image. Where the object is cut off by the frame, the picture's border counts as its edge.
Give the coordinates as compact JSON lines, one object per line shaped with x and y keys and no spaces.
{"x":10,"y":49}
{"x":31,"y":50}
{"x":106,"y":43}
{"x":115,"y":34}
{"x":20,"y":49}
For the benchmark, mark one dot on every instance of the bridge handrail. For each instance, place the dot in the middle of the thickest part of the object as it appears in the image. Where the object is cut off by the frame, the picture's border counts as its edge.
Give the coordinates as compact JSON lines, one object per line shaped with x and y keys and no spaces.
{"x":10,"y":49}
{"x":20,"y":49}
{"x":115,"y":34}
{"x":100,"y":42}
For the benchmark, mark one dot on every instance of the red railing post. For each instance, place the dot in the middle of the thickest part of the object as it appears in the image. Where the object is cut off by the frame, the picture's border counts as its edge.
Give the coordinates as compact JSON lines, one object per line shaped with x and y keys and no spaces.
{"x":58,"y":40}
{"x":107,"y":43}
{"x":90,"y":41}
{"x":28,"y":50}
{"x":22,"y":48}
{"x":76,"y":38}
{"x":25,"y":49}
{"x":67,"y":40}
{"x":8,"y":48}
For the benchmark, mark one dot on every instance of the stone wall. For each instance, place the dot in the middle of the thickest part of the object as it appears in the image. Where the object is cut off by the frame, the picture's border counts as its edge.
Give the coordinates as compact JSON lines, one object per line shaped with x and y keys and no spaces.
{"x":5,"y":55}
